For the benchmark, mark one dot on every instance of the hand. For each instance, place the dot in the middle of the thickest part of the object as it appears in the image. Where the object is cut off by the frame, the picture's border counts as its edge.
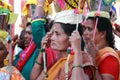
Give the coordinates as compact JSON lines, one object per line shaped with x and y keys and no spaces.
{"x":75,"y":40}
{"x":92,"y":49}
{"x":46,"y":40}
{"x":117,"y":30}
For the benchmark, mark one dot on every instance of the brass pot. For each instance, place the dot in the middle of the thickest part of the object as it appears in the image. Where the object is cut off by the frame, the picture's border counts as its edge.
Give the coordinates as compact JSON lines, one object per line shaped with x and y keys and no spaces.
{"x":3,"y":20}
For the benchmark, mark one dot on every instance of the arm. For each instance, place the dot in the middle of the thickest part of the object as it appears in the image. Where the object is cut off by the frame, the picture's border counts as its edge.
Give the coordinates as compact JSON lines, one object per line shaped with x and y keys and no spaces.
{"x":108,"y":71}
{"x":93,"y":51}
{"x":37,"y":69}
{"x":77,"y":72}
{"x":38,"y":32}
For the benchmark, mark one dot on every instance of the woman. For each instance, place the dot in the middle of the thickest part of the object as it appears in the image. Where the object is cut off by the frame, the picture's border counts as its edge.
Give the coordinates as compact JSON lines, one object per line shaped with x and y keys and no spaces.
{"x":4,"y":70}
{"x":60,"y":40}
{"x":25,"y":60}
{"x":102,"y":47}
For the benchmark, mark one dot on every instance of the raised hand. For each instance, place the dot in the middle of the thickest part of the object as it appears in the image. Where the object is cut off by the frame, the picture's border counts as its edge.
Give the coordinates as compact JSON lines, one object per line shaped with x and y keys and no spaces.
{"x":75,"y":40}
{"x":91,"y":48}
{"x":46,"y":40}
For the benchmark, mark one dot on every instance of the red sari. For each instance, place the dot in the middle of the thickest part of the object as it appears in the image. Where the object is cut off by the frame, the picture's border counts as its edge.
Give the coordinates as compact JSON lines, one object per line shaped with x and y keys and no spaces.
{"x":108,"y":62}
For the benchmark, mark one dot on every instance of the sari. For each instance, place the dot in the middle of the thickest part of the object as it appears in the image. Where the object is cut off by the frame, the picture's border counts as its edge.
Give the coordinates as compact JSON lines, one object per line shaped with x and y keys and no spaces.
{"x":5,"y":75}
{"x":26,"y":66}
{"x":105,"y":58}
{"x":57,"y":71}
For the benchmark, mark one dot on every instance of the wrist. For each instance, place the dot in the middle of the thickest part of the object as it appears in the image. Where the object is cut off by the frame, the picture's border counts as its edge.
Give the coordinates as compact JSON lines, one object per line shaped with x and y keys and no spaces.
{"x":38,"y":63}
{"x":77,"y":66}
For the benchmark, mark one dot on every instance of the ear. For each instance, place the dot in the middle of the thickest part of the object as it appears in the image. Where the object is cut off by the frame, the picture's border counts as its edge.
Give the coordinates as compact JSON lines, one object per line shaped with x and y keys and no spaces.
{"x":103,"y":34}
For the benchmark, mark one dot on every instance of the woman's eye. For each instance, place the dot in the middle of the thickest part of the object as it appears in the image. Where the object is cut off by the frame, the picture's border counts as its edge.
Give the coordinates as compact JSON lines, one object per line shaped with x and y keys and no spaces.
{"x":84,"y":28}
{"x":57,"y":33}
{"x":90,"y":29}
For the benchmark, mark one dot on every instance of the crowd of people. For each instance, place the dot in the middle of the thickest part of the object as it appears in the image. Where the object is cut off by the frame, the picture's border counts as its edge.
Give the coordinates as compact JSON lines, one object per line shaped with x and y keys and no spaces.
{"x":65,"y":48}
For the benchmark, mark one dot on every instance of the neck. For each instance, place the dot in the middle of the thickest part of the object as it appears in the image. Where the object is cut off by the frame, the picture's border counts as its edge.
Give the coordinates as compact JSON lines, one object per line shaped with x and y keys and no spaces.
{"x":103,"y":44}
{"x":61,"y":54}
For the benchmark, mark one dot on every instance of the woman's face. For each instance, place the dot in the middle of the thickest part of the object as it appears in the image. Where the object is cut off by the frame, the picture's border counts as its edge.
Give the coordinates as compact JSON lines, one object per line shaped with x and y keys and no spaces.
{"x":88,"y":31}
{"x":28,"y":36}
{"x":59,"y":40}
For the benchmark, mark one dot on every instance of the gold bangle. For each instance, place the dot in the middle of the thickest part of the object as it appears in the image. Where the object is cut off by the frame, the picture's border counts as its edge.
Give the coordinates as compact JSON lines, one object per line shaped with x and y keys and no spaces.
{"x":39,"y":5}
{"x":38,"y":63}
{"x":79,"y":65}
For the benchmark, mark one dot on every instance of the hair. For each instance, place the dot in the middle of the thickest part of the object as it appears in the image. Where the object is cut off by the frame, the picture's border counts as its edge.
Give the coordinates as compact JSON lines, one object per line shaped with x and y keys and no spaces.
{"x":104,"y":24}
{"x":21,"y":39}
{"x":28,"y":24}
{"x":69,"y":28}
{"x":48,"y":25}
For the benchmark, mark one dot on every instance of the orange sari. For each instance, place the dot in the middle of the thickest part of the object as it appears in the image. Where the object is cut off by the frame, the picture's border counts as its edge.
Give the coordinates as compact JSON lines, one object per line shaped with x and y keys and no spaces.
{"x":57,"y":71}
{"x":105,"y":55}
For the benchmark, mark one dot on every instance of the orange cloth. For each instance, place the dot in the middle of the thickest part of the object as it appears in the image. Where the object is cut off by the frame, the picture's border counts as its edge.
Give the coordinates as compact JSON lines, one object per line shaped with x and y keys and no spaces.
{"x":53,"y":73}
{"x":4,"y":74}
{"x":105,"y":58}
{"x":57,"y":71}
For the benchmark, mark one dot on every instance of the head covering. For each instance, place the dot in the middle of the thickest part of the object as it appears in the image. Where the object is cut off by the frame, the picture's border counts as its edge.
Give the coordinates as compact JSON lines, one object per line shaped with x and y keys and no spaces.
{"x":102,"y":14}
{"x":68,"y":16}
{"x":104,"y":8}
{"x":6,"y":9}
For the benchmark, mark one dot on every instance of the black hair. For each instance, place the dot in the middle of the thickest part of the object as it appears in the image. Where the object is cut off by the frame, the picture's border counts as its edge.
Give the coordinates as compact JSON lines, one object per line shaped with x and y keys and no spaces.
{"x":69,"y":28}
{"x":104,"y":24}
{"x":22,"y":39}
{"x":48,"y":25}
{"x":28,"y":24}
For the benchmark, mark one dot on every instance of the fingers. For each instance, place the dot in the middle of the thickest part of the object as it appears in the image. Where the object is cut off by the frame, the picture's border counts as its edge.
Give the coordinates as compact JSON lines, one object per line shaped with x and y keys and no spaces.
{"x":46,"y":39}
{"x":75,"y":40}
{"x":74,"y":35}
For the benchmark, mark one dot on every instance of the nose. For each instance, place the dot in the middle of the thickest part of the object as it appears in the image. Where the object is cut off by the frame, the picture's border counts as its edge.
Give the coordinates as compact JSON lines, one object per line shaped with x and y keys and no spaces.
{"x":53,"y":36}
{"x":86,"y":31}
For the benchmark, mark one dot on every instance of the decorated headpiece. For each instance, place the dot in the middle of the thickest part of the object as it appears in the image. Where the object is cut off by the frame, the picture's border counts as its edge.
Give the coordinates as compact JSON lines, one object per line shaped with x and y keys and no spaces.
{"x":68,"y":16}
{"x":100,"y":8}
{"x":6,"y":12}
{"x":6,"y":17}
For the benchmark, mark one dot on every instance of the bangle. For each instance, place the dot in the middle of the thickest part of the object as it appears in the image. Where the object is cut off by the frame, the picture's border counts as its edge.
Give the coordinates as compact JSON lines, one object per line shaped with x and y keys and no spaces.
{"x":79,"y":65}
{"x":39,"y":5}
{"x":38,"y":63}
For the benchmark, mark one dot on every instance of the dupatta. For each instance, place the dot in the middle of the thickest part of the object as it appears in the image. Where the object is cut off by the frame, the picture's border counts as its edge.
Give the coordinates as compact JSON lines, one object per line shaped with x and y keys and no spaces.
{"x":25,"y":55}
{"x":107,"y":51}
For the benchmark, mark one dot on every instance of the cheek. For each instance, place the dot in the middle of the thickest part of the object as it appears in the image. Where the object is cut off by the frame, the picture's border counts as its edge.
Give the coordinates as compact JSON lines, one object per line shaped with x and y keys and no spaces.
{"x":61,"y":44}
{"x":64,"y":44}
